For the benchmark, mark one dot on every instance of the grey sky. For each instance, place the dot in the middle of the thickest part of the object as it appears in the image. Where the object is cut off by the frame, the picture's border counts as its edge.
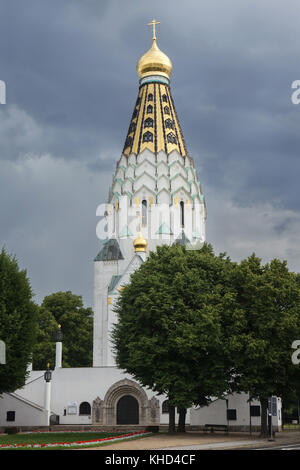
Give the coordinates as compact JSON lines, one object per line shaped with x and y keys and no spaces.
{"x":69,"y":68}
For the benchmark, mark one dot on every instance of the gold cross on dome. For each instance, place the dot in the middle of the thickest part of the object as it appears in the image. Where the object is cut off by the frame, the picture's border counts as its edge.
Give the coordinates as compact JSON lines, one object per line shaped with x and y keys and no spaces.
{"x":153,"y":23}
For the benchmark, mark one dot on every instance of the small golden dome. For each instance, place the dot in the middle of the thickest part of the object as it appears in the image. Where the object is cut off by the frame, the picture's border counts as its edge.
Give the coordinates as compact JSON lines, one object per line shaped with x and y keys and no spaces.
{"x":154,"y":62}
{"x":140,"y":244}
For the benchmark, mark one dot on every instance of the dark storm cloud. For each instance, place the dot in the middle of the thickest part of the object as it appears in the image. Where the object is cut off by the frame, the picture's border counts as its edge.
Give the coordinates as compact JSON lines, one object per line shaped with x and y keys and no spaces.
{"x":69,"y":67}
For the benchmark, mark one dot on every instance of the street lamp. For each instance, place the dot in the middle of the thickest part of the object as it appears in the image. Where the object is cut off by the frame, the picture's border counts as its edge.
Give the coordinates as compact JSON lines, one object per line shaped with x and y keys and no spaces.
{"x":47,"y":377}
{"x":48,"y":373}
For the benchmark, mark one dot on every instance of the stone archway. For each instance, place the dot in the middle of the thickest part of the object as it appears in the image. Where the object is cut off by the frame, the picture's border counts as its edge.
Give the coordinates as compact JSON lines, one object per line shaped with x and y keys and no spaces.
{"x":148,"y":409}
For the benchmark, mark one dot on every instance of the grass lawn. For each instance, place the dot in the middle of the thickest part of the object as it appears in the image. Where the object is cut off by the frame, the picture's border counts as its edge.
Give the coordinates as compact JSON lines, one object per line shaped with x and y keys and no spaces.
{"x":291,"y":427}
{"x":45,"y":438}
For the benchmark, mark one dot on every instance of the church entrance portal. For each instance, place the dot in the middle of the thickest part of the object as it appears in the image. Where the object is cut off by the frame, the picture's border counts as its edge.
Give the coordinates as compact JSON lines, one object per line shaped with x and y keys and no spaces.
{"x":126,"y":402}
{"x":128,"y":410}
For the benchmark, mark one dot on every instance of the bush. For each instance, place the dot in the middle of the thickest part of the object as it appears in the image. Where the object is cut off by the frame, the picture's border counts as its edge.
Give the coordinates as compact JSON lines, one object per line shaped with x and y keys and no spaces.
{"x":11,"y":430}
{"x":152,"y":429}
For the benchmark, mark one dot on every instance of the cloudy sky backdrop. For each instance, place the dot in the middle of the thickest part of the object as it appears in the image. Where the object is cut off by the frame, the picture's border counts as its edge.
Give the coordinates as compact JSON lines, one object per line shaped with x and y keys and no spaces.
{"x":70,"y":72}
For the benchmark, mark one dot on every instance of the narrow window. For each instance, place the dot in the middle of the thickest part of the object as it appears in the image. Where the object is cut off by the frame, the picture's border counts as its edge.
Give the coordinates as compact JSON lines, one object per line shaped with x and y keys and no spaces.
{"x":114,"y":219}
{"x":150,"y":97}
{"x":128,"y":142}
{"x":132,"y":127}
{"x":166,"y":110}
{"x":254,"y":410}
{"x":144,"y":213}
{"x":10,"y":416}
{"x":231,"y":415}
{"x":165,"y":406}
{"x":182,"y":213}
{"x":149,"y":109}
{"x":164,"y":98}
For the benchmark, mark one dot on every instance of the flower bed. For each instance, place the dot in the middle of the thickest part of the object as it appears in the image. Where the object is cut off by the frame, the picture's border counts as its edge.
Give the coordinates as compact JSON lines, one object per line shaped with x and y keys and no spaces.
{"x":75,"y":443}
{"x":44,"y":431}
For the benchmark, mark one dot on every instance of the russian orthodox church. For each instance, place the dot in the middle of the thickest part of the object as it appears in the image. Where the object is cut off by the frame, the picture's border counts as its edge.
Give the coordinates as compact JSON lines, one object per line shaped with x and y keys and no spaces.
{"x":155,"y":198}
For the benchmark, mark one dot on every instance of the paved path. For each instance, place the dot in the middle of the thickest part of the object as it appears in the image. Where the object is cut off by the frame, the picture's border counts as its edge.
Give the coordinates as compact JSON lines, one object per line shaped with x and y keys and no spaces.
{"x":201,"y":441}
{"x":165,"y":441}
{"x":215,"y":445}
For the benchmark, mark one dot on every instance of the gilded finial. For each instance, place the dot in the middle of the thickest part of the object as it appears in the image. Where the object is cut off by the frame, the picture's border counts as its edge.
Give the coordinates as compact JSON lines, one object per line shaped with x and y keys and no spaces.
{"x":140,"y":244}
{"x":48,"y":365}
{"x":59,"y":335}
{"x":154,"y":62}
{"x":153,"y":23}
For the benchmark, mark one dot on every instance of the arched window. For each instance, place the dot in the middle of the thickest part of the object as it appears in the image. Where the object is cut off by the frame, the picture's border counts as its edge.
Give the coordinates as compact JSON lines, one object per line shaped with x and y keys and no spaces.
{"x":148,"y":137}
{"x":144,"y":213}
{"x":165,"y":406}
{"x":85,"y":408}
{"x":149,"y":109}
{"x":172,"y":138}
{"x":164,"y":98}
{"x":150,"y":97}
{"x":182,"y":213}
{"x":148,"y":122}
{"x":169,"y":124}
{"x":167,"y":110}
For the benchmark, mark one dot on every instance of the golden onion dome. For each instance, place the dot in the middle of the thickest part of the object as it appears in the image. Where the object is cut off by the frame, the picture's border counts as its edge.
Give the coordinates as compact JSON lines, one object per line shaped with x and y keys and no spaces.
{"x":140,"y":244}
{"x":154,"y":62}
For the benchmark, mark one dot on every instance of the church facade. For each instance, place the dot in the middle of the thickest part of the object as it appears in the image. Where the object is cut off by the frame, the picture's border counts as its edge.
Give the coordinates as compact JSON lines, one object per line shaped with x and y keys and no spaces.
{"x":155,"y":198}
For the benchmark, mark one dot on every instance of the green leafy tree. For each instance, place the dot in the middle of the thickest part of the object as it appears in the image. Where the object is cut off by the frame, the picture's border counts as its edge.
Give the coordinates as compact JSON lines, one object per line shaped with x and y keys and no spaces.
{"x":270,"y":298}
{"x":65,"y":309}
{"x":173,"y":318}
{"x":18,"y":315}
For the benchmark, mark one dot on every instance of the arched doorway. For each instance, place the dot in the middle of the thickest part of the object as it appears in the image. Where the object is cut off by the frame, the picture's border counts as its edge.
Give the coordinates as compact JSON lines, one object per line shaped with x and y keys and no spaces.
{"x":146,"y":411}
{"x":128,"y":410}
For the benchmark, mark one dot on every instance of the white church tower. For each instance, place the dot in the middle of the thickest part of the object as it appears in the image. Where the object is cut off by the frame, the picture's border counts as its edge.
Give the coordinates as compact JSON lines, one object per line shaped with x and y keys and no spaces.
{"x":155,"y":197}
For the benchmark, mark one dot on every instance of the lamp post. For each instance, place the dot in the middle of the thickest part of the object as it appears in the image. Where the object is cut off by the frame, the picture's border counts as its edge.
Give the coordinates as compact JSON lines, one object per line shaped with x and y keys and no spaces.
{"x":58,"y":355}
{"x":47,"y":377}
{"x":272,"y":411}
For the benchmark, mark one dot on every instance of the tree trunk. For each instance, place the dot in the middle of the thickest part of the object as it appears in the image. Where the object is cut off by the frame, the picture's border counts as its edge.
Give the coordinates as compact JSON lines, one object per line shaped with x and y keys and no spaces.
{"x":181,"y":422}
{"x":171,"y":419}
{"x":264,"y":417}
